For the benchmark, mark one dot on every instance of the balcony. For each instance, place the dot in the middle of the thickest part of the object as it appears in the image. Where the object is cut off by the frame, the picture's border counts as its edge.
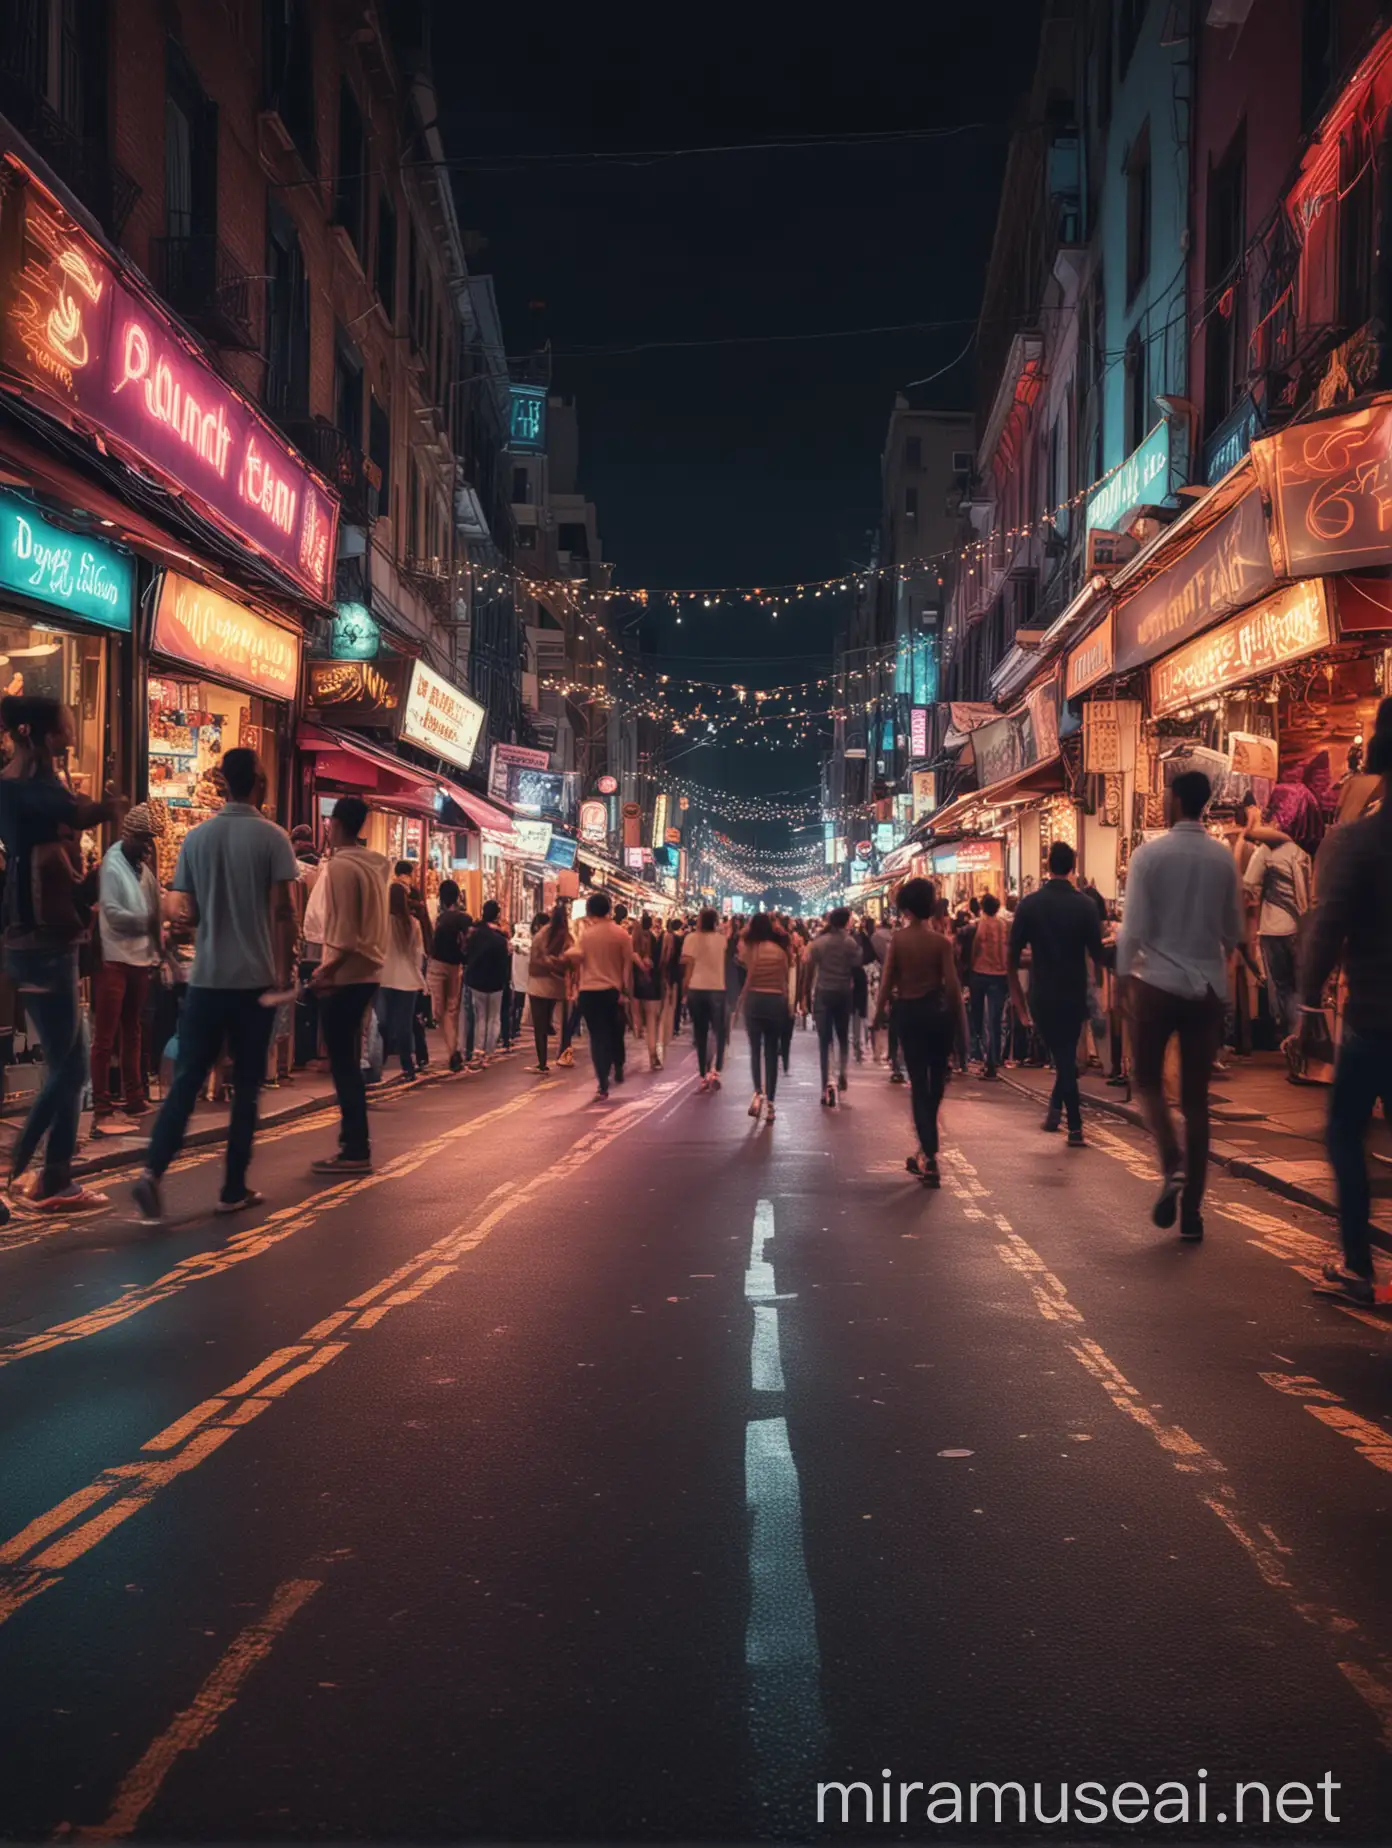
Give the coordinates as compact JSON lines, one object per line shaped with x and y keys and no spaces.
{"x":203,"y":282}
{"x":433,"y":583}
{"x":356,"y":476}
{"x":80,"y":161}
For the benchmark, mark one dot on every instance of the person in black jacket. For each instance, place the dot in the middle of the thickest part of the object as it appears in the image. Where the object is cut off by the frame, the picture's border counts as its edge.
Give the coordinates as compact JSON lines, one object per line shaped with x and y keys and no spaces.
{"x":444,"y":970}
{"x":487,"y":963}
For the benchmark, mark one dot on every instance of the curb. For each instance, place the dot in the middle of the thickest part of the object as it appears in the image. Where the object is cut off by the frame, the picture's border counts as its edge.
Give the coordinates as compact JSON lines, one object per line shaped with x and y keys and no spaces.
{"x":1237,"y":1165}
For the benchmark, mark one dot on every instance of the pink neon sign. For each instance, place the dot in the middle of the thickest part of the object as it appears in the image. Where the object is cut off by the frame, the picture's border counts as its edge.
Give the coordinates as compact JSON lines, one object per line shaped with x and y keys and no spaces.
{"x":78,"y":332}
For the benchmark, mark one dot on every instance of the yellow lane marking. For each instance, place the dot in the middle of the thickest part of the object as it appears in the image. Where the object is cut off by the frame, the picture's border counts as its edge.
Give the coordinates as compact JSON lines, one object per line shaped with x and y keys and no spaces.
{"x":1370,"y":1440}
{"x":37,"y":1556}
{"x":143,"y":1783}
{"x":251,"y":1243}
{"x":1189,"y":1457}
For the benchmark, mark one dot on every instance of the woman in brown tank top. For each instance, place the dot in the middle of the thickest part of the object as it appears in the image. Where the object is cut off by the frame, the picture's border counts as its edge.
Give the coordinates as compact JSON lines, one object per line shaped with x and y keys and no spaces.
{"x":920,"y":983}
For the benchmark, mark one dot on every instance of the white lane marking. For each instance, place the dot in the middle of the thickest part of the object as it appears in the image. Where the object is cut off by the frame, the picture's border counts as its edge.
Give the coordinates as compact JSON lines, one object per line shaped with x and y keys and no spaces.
{"x":782,"y":1624}
{"x":766,"y":1358}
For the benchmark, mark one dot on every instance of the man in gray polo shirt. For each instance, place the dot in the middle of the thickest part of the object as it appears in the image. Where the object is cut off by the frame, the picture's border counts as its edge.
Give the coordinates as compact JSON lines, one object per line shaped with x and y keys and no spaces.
{"x":233,"y":881}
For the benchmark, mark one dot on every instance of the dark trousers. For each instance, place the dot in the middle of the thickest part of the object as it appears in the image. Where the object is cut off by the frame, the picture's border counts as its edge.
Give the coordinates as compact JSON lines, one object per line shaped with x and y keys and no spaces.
{"x":1060,"y":1033}
{"x":118,"y":994}
{"x":214,"y":1018}
{"x":396,"y":1016}
{"x":570,"y":1022}
{"x":466,"y":1017}
{"x":1156,"y":1016}
{"x":785,"y":1040}
{"x":47,"y":984}
{"x":708,"y":1012}
{"x":1282,"y":986}
{"x":341,"y":1012}
{"x":988,"y":998}
{"x":766,"y":1018}
{"x":600,"y":1008}
{"x":925,"y":1034}
{"x":507,"y":1030}
{"x":420,"y":1017}
{"x":306,"y":1017}
{"x":543,"y":1011}
{"x":833,"y":1015}
{"x":1362,"y":1075}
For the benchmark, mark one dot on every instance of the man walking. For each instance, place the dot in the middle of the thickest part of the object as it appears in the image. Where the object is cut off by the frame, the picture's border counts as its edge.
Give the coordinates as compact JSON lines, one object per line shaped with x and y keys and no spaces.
{"x":356,"y":921}
{"x":989,"y":981}
{"x":1353,"y":922}
{"x":1182,"y":922}
{"x":1278,"y":876}
{"x":129,"y":925}
{"x":232,"y":882}
{"x":444,"y":968}
{"x":605,"y":958}
{"x":1061,"y":930}
{"x":487,"y":961}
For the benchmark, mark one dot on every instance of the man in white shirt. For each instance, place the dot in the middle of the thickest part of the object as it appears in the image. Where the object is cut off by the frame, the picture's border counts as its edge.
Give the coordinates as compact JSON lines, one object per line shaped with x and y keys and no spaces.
{"x":1182,"y":922}
{"x":355,"y":881}
{"x":1279,"y":877}
{"x":128,"y":904}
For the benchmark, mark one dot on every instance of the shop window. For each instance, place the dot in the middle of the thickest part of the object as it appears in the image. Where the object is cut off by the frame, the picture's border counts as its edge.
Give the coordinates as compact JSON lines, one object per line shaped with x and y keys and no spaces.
{"x":1225,"y":336}
{"x":350,"y":185}
{"x":348,"y":389}
{"x":193,"y":725}
{"x":70,"y":667}
{"x":287,"y":319}
{"x":1137,"y":213}
{"x":379,"y":447}
{"x":190,"y":151}
{"x":386,"y":256}
{"x":287,"y":73}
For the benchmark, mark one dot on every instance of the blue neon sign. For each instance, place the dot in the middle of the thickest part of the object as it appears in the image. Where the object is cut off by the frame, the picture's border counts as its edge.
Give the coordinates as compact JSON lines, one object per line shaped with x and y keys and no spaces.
{"x":527,"y":419}
{"x":85,"y":577}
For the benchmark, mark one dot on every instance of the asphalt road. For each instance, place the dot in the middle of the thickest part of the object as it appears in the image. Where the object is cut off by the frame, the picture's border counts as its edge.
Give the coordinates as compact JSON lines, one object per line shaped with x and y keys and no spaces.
{"x":624,"y":1474}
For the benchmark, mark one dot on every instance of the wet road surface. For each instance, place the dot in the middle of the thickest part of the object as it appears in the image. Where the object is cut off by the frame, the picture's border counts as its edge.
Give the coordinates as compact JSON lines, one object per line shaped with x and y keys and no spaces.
{"x":627,"y":1473}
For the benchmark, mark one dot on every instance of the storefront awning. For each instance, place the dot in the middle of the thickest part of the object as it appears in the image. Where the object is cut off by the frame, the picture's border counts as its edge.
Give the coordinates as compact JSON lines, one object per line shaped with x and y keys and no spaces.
{"x":379,"y":774}
{"x":1042,"y":779}
{"x":479,"y":811}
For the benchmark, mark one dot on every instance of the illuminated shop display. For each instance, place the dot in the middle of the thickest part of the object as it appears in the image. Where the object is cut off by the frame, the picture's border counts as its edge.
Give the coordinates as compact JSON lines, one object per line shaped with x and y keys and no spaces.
{"x":82,"y":577}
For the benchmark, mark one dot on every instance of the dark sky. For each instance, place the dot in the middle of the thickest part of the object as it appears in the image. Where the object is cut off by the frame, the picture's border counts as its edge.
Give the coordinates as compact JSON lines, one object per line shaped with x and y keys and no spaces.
{"x":742,"y":463}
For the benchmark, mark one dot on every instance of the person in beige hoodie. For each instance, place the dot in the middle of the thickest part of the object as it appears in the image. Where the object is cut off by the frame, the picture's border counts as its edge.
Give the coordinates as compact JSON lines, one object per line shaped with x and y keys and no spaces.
{"x":346,"y":981}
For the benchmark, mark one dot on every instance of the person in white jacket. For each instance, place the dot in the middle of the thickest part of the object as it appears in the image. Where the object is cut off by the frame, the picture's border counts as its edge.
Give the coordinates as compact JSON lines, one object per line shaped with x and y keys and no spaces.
{"x":128,"y":907}
{"x":403,"y":980}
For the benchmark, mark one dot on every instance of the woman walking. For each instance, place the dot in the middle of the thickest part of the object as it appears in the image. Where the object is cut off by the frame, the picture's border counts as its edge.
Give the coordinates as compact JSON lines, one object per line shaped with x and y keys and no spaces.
{"x":402,"y":981}
{"x":765,"y":1001}
{"x":920,"y":983}
{"x":647,"y":986}
{"x":546,"y":977}
{"x":487,"y":964}
{"x":703,"y":970}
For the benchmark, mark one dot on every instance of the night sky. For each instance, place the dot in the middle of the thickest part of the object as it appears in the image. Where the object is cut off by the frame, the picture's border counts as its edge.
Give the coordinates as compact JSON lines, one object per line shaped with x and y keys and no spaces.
{"x":743,"y":463}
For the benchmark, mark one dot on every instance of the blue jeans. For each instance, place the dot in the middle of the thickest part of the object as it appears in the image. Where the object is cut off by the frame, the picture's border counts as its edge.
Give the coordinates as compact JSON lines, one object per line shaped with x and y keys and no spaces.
{"x":833,"y":1015}
{"x":988,"y":998}
{"x":212,"y":1018}
{"x":396,"y":1016}
{"x":1362,"y":1075}
{"x":47,"y":984}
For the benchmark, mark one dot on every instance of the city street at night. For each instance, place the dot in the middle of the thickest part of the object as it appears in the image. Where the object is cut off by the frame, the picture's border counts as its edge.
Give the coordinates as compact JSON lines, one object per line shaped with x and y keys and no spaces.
{"x":632,"y":1472}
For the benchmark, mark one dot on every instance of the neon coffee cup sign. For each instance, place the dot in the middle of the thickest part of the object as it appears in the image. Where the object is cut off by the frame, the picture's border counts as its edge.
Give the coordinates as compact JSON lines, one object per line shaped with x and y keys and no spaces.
{"x":81,"y":334}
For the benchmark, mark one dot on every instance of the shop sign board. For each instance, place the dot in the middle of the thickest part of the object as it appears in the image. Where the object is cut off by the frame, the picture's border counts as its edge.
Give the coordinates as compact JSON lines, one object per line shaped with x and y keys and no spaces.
{"x":925,"y":793}
{"x":864,"y":849}
{"x":609,"y":786}
{"x":1286,"y":626}
{"x":527,"y":419}
{"x":361,"y":694}
{"x":594,"y":820}
{"x":1232,"y":439}
{"x":659,"y":826}
{"x":82,"y":577}
{"x":1142,"y":480}
{"x":918,"y":731}
{"x":561,"y":852}
{"x":438,"y":717}
{"x":533,"y":838}
{"x":1092,"y":659}
{"x":672,"y":836}
{"x":356,"y":634}
{"x":76,"y":332}
{"x":1226,"y":569}
{"x":225,"y":640}
{"x":501,"y":760}
{"x":633,"y":859}
{"x":1329,"y":484}
{"x":978,"y":856}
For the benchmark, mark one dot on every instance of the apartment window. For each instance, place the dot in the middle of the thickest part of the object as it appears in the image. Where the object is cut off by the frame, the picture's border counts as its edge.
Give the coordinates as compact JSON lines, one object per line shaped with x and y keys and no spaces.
{"x":1137,"y":393}
{"x":379,"y":445}
{"x":287,"y":319}
{"x":571,"y":537}
{"x":1319,"y":51}
{"x":1355,"y":229}
{"x":1225,"y":338}
{"x":913,"y":452}
{"x":413,"y":498}
{"x":287,"y":73}
{"x":1130,"y":19}
{"x":412,"y":279}
{"x":350,"y":187}
{"x":910,"y":503}
{"x":386,"y":256}
{"x":348,"y":389}
{"x":521,"y":497}
{"x":190,"y":151}
{"x":1137,"y":213}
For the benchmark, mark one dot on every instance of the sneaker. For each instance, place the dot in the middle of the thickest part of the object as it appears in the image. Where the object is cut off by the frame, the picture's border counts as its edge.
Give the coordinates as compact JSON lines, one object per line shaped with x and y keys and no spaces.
{"x":756,"y":1103}
{"x":146,"y":1194}
{"x":456,"y":1061}
{"x":601,"y":1096}
{"x":566,"y":1059}
{"x":248,"y":1197}
{"x":1076,"y":1139}
{"x":1051,"y":1124}
{"x":342,"y":1164}
{"x":618,"y":1074}
{"x":1166,"y":1208}
{"x":1338,"y":1280}
{"x":74,"y":1198}
{"x":1191,"y":1228}
{"x":928,"y":1171}
{"x":897,"y":1078}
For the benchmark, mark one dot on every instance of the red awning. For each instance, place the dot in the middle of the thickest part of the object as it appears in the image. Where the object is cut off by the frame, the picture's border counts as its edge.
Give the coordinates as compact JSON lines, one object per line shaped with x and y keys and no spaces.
{"x":394,"y":783}
{"x":482,"y":813}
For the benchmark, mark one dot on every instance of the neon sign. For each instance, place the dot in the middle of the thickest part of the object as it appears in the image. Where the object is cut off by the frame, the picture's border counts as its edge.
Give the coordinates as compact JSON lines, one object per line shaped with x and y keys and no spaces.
{"x":76,"y":330}
{"x":82,"y":576}
{"x":225,"y":639}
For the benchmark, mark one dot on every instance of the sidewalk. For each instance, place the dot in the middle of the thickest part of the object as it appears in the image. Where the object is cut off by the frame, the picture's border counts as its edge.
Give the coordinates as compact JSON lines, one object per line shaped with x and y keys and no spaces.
{"x":1265,"y":1129}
